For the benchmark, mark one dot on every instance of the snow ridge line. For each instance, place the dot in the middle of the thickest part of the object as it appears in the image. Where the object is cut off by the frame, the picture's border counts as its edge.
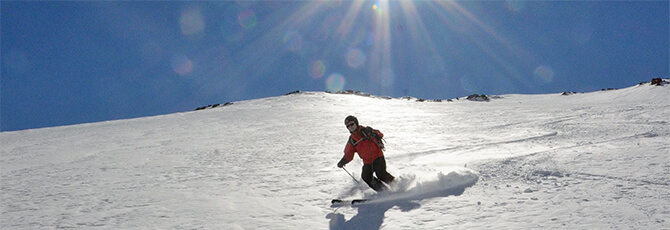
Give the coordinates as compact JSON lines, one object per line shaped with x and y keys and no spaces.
{"x":434,"y":151}
{"x":619,"y":178}
{"x":645,"y":134}
{"x":544,"y":122}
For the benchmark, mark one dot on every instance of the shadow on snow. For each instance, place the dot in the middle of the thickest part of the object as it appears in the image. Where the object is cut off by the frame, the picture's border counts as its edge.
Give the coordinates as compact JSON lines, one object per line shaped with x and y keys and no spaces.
{"x":371,"y":213}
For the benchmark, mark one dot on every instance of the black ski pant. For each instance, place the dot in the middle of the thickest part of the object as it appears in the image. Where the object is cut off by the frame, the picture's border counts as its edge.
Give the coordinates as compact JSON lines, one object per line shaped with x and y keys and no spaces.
{"x":379,"y":168}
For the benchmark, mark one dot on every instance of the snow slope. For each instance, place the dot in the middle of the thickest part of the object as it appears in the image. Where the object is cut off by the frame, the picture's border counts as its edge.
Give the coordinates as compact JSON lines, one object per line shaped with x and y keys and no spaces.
{"x":595,"y":160}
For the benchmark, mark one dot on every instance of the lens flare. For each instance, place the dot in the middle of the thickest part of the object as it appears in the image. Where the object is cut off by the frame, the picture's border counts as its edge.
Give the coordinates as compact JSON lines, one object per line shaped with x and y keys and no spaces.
{"x":293,"y":41}
{"x":377,"y":8}
{"x":317,"y":69}
{"x":182,"y":65}
{"x":247,"y":19}
{"x":335,"y":82}
{"x":191,"y":22}
{"x":355,"y":58}
{"x":544,"y":74}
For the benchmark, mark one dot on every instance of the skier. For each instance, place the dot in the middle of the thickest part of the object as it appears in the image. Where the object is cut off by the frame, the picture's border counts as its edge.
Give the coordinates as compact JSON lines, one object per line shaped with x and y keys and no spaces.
{"x":368,"y":143}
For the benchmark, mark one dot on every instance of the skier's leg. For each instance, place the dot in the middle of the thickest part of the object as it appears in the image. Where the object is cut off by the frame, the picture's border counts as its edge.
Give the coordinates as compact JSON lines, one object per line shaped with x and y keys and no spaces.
{"x":366,"y":174}
{"x":377,"y":185}
{"x":373,"y":182}
{"x":380,"y":170}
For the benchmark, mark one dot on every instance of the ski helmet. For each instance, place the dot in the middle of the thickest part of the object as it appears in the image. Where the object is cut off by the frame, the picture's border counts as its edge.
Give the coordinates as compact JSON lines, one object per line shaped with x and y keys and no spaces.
{"x":349,"y":119}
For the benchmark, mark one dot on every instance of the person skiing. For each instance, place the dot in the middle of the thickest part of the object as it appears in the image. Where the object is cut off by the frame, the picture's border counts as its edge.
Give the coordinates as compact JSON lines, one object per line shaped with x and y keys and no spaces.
{"x":368,"y":143}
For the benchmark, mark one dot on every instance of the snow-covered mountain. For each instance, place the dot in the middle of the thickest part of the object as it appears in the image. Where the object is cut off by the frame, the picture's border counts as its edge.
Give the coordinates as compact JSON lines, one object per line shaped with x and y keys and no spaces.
{"x":597,"y":160}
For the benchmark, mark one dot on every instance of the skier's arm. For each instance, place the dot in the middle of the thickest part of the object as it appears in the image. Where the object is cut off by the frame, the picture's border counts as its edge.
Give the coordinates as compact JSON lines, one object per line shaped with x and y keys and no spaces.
{"x":349,"y":151}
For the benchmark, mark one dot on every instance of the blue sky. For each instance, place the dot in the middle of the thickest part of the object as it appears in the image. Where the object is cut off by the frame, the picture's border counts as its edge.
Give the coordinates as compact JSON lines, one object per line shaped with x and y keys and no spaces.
{"x":79,"y":61}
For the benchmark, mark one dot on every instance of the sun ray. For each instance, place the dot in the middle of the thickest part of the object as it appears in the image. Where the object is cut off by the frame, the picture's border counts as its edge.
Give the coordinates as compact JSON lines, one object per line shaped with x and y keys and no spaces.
{"x":381,"y":69}
{"x":453,"y":6}
{"x":418,"y":31}
{"x":306,"y":12}
{"x":348,"y":25}
{"x":350,"y":17}
{"x":492,"y":50}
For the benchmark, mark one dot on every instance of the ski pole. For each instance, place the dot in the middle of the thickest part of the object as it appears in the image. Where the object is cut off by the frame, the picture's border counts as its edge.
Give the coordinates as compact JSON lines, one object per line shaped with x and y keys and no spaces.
{"x":352,"y":177}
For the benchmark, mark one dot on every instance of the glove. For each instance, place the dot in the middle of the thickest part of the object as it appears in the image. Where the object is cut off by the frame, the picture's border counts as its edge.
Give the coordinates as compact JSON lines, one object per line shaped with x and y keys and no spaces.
{"x":341,"y":163}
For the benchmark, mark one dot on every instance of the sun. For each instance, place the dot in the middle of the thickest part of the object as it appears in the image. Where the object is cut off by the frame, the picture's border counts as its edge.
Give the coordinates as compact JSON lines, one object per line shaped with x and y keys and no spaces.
{"x":365,"y":37}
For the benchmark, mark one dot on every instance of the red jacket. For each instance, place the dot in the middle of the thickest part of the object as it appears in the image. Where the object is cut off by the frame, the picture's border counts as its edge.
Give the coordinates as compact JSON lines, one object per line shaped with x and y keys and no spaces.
{"x":367,"y":149}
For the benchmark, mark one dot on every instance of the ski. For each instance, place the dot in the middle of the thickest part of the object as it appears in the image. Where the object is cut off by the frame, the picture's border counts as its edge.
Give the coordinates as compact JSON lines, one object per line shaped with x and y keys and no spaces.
{"x":340,"y":202}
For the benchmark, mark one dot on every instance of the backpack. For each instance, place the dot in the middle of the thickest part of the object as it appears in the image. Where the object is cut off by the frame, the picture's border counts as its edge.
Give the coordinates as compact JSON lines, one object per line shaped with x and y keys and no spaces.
{"x":368,"y":133}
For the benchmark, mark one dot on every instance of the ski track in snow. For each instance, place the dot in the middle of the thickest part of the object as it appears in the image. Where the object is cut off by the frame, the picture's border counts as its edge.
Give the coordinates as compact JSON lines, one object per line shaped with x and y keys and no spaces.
{"x":587,"y":161}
